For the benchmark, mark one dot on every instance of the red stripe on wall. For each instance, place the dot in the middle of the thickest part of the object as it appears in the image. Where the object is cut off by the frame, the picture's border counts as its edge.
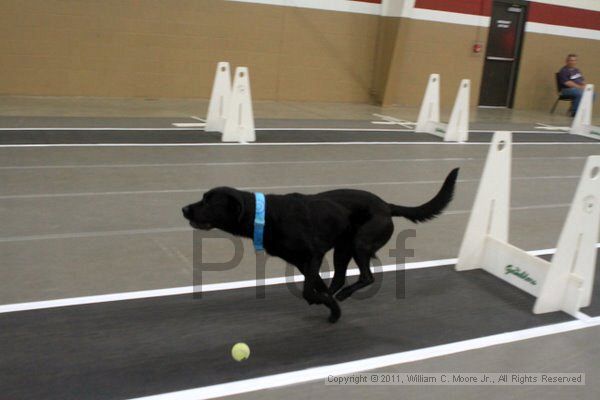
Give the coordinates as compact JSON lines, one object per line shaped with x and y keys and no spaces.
{"x":474,"y":7}
{"x":565,"y":16}
{"x":369,"y":1}
{"x":538,"y":12}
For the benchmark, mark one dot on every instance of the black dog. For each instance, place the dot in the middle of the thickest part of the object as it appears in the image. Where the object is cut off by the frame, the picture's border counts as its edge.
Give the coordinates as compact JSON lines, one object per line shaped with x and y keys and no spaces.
{"x":301,"y":229}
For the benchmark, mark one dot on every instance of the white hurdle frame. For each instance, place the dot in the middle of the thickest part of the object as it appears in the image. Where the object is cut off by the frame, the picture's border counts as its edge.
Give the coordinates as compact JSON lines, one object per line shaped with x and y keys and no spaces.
{"x":566,"y":282}
{"x":582,"y":123}
{"x":239,"y":124}
{"x":230,"y":109}
{"x":219,"y":99}
{"x":457,"y":129}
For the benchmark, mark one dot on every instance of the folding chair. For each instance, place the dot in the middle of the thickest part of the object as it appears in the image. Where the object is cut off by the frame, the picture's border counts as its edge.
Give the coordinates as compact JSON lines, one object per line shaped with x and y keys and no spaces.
{"x":561,"y":96}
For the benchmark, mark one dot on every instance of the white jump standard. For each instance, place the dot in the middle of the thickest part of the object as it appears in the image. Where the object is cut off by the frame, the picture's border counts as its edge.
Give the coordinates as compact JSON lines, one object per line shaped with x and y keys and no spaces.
{"x":582,"y":123}
{"x":563,"y":284}
{"x":230,"y":108}
{"x":239,"y":124}
{"x":457,"y":129}
{"x":219,"y":99}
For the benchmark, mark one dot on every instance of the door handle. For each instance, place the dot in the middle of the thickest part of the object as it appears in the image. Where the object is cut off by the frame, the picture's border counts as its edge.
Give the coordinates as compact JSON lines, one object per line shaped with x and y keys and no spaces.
{"x":500,"y":59}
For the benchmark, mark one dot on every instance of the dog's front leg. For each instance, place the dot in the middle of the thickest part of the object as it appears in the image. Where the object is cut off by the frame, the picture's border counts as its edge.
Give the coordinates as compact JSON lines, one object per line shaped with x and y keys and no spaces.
{"x":315,"y":291}
{"x":320,"y":286}
{"x":341,"y":257}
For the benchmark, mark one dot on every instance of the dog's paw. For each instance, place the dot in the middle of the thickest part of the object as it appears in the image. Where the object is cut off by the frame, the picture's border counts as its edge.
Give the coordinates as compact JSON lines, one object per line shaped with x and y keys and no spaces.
{"x":311,"y":300}
{"x":334,"y":316}
{"x":342,"y":295}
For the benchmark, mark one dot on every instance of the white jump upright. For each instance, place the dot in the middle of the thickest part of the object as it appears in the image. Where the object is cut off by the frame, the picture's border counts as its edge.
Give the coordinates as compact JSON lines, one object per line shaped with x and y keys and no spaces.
{"x":582,"y":123}
{"x":430,"y":106}
{"x":239,"y":124}
{"x":566,"y":282}
{"x":457,"y":129}
{"x":219,"y":99}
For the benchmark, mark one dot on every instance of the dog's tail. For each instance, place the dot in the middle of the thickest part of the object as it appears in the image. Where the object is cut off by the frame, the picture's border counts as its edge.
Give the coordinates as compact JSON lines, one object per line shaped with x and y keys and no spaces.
{"x":433,"y":207}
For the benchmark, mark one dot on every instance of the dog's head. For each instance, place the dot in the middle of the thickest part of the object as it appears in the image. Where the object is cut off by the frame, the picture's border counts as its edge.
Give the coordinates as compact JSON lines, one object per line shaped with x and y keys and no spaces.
{"x":221,"y":208}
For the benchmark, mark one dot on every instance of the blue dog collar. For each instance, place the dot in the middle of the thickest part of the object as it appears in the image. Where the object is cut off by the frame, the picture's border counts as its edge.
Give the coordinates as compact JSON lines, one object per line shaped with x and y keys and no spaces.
{"x":259,"y":220}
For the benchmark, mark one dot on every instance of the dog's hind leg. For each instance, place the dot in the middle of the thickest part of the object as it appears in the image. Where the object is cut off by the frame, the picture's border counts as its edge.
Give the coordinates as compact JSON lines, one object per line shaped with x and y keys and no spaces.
{"x":371,"y":237}
{"x":363,"y":260}
{"x":341,"y":258}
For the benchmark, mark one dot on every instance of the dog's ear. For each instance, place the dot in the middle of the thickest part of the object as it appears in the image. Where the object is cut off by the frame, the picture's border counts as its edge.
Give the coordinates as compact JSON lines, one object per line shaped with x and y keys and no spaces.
{"x":237,"y":198}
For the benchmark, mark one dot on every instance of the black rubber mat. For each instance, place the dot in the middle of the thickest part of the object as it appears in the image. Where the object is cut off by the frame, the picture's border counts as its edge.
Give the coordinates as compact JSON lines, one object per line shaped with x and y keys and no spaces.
{"x":140,"y":347}
{"x":279,"y":136}
{"x":594,"y":308}
{"x":106,"y":136}
{"x":92,"y":122}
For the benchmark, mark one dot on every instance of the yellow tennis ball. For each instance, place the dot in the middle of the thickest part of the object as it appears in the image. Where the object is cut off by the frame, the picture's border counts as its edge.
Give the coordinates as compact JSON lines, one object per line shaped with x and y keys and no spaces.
{"x":240,"y":351}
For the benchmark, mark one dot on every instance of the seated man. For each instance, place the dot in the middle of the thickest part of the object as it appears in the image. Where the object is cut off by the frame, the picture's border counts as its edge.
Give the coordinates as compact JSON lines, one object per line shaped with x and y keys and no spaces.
{"x":572,"y":82}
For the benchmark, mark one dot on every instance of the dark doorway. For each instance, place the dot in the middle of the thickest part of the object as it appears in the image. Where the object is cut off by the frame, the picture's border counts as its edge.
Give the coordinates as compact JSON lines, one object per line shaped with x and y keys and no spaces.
{"x":503,"y":53}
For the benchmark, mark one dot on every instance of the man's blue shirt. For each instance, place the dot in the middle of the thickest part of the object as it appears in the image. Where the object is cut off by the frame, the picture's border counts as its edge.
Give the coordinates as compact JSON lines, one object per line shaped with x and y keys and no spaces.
{"x":569,"y":74}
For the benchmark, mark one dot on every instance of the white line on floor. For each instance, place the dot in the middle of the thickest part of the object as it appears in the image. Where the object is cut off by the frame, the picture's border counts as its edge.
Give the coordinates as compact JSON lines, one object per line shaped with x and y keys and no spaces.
{"x":387,"y":120}
{"x":520,"y":208}
{"x":552,"y":127}
{"x":77,"y":235}
{"x":393,"y":119}
{"x":126,"y":232}
{"x":383,"y":130}
{"x":200,"y":190}
{"x":524,"y":131}
{"x":213,"y":287}
{"x":98,"y":129}
{"x":184,"y":127}
{"x":583,"y":317}
{"x":189,"y":124}
{"x":244,"y":163}
{"x":190,"y":289}
{"x":318,"y":373}
{"x":290,"y":144}
{"x":289,"y":162}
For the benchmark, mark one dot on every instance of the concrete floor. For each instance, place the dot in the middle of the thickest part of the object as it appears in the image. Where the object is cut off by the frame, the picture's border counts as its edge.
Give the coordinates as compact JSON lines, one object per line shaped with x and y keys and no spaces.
{"x":572,"y":352}
{"x":80,"y":221}
{"x":28,"y":106}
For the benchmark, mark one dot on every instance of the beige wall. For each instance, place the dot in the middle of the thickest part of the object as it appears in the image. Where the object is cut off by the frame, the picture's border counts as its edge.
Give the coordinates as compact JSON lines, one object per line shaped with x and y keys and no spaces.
{"x":542,"y":56}
{"x":386,"y":48}
{"x":423,"y":48}
{"x":165,"y":48}
{"x":169,"y":49}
